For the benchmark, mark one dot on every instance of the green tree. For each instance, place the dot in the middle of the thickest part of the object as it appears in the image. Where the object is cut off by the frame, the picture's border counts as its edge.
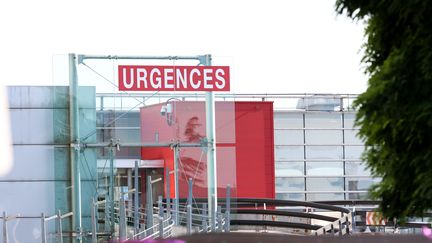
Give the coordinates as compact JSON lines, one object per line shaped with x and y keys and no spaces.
{"x":395,"y":113}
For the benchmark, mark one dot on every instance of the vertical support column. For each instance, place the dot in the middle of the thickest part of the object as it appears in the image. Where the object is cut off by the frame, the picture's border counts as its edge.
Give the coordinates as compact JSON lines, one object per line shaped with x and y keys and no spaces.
{"x":43,"y":228}
{"x":74,"y":151}
{"x":228,"y":209}
{"x":161,"y":217}
{"x":107,"y":213}
{"x":204,"y":218}
{"x":101,"y":103}
{"x":122,"y":220}
{"x":189,"y":219}
{"x":176,"y":185}
{"x":189,"y":207}
{"x":149,"y":205}
{"x":353,"y":220}
{"x":168,"y":192}
{"x":5,"y":230}
{"x":161,"y":227}
{"x":136,"y":199}
{"x":94,"y":221}
{"x":304,"y":152}
{"x":211,"y":152}
{"x":111,"y":185}
{"x":130,"y":187}
{"x":344,"y":154}
{"x":190,"y":192}
{"x":59,"y":227}
{"x":219,"y":219}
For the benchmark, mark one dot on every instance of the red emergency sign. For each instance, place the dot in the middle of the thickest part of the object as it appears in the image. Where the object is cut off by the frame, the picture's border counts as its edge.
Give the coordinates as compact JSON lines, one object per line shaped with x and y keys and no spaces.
{"x":173,"y":78}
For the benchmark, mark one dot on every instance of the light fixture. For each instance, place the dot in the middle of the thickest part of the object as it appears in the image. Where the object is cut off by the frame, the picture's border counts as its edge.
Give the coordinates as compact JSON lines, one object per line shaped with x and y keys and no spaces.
{"x":168,"y":111}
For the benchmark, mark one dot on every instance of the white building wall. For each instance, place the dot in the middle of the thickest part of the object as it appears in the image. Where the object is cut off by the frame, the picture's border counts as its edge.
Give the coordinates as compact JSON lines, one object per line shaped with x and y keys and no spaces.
{"x":318,"y":156}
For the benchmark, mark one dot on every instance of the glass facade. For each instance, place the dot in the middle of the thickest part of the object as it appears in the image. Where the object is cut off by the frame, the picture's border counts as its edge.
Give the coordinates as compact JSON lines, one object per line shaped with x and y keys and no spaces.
{"x":318,"y":156}
{"x":317,"y":153}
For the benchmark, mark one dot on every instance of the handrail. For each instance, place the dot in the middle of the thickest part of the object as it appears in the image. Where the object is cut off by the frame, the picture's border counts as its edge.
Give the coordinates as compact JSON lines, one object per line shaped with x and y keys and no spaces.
{"x":349,"y":202}
{"x":272,"y":202}
{"x":275,"y":224}
{"x":284,"y":213}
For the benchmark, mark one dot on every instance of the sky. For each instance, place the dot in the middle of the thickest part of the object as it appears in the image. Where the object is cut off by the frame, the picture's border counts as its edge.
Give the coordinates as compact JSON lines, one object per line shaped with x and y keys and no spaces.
{"x":271,"y":46}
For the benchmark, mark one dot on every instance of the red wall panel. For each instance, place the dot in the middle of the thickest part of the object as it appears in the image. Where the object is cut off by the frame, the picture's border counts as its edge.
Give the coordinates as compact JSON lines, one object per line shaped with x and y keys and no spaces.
{"x":254,"y":149}
{"x":245,"y":153}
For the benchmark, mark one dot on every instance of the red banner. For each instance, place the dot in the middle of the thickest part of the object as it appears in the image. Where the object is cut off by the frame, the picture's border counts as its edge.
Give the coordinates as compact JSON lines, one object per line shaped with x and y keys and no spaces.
{"x":173,"y":78}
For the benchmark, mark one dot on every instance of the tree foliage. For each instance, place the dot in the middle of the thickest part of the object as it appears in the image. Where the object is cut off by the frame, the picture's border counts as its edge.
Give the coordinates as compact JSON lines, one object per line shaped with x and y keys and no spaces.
{"x":395,"y":113}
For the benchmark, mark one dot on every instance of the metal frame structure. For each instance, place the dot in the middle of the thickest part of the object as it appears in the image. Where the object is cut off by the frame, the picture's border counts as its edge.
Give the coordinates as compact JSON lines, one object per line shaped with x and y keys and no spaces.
{"x":76,"y":143}
{"x":344,"y":111}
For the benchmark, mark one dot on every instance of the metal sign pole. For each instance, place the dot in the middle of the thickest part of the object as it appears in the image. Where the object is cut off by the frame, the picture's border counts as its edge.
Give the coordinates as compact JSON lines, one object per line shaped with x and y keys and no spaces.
{"x":176,"y":185}
{"x":74,"y":150}
{"x":136,"y":199}
{"x":211,"y":152}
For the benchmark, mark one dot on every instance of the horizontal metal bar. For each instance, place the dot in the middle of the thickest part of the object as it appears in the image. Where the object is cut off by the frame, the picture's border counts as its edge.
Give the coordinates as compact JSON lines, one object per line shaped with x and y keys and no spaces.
{"x":350,"y":202}
{"x":117,"y":128}
{"x":115,"y":57}
{"x":272,"y":202}
{"x":327,"y":176}
{"x":41,"y":108}
{"x":51,"y":218}
{"x":283,"y":213}
{"x":66,"y":215}
{"x":103,"y":145}
{"x":42,"y":144}
{"x":316,"y":129}
{"x":237,"y":95}
{"x":347,"y":160}
{"x":317,"y":192}
{"x":41,"y":180}
{"x":12,"y":217}
{"x":156,"y":180}
{"x":323,"y":145}
{"x":407,"y":224}
{"x":129,"y":191}
{"x":275,"y":224}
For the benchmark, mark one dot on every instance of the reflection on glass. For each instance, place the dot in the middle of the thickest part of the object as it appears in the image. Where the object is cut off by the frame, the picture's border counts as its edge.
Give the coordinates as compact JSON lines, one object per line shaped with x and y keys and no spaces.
{"x":291,"y":196}
{"x":323,"y":120}
{"x":324,"y":137}
{"x":324,"y":168}
{"x":289,"y":153}
{"x":359,"y":184}
{"x":324,"y":152}
{"x":285,"y":137}
{"x":353,"y":152}
{"x":358,"y":196}
{"x":356,"y":168}
{"x":289,"y":169}
{"x":324,"y":196}
{"x":325,"y":184}
{"x":290,"y":184}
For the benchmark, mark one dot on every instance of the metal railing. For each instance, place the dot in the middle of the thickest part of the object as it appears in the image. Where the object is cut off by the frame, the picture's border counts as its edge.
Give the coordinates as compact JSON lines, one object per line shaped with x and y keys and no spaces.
{"x":342,"y":226}
{"x":44,"y":219}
